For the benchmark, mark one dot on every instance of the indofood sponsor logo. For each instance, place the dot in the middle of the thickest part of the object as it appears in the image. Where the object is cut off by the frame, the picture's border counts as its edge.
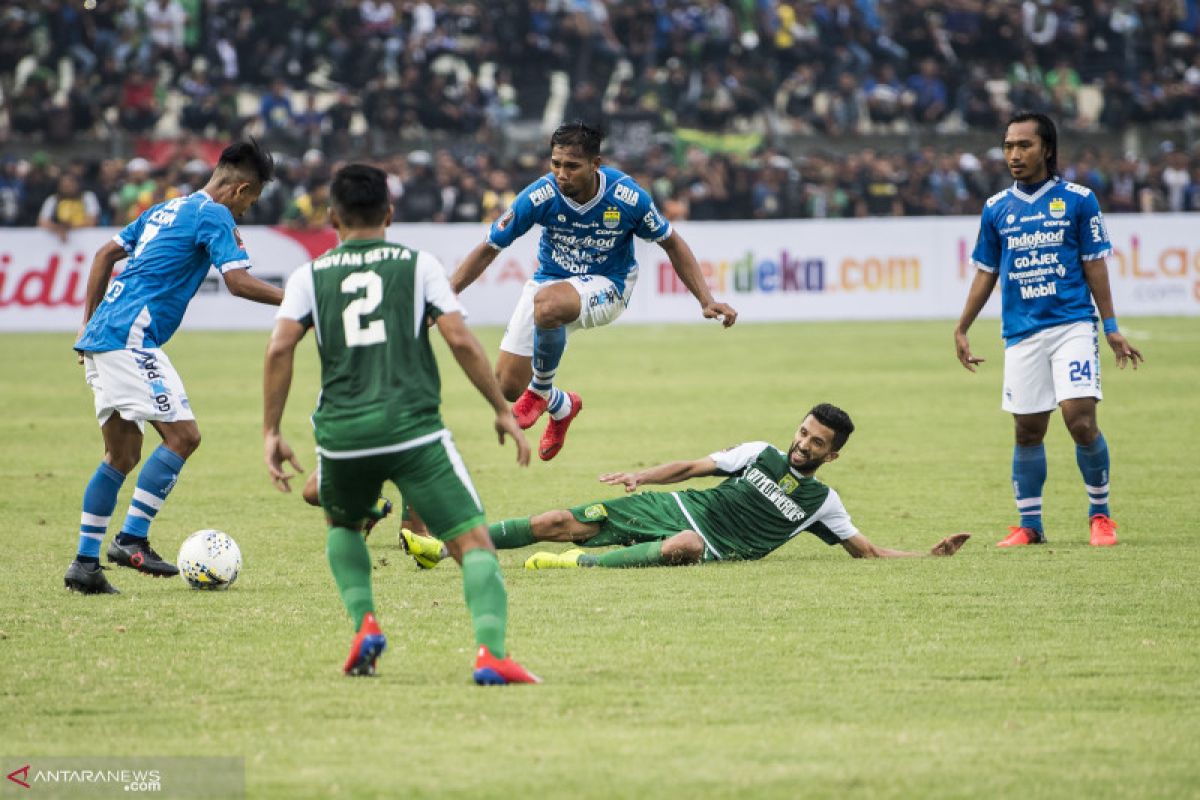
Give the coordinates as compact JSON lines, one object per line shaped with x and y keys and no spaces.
{"x":1031,"y":239}
{"x":789,"y":273}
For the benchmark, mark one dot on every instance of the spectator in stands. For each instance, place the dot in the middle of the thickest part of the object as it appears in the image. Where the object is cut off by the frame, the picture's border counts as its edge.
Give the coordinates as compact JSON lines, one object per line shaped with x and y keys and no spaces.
{"x":138,"y":184}
{"x":930,"y":99}
{"x":275,"y":110}
{"x":12,"y":190}
{"x":139,"y":104}
{"x":166,"y":22}
{"x":310,"y":210}
{"x":422,"y":198}
{"x":68,"y":208}
{"x":884,"y":94}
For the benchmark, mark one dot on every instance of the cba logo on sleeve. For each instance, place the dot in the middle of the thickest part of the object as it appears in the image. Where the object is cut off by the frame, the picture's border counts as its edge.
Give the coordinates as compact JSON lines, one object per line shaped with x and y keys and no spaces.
{"x":612,"y":218}
{"x":594,"y":512}
{"x":1058,"y":207}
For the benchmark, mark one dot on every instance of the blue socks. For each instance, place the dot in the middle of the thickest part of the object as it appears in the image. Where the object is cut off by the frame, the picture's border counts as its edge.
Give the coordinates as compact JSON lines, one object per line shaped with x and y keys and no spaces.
{"x":1093,"y":466}
{"x":548,"y":347}
{"x":155,"y":481}
{"x":1028,"y":477}
{"x":99,"y":502}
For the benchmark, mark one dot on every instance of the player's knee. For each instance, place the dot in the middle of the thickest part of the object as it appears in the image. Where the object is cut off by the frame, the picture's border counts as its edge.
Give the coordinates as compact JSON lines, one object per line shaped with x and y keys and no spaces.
{"x":556,"y":526}
{"x":123,"y":463}
{"x":548,"y":311}
{"x":1083,"y":429}
{"x":684,"y":548}
{"x":183,"y":442}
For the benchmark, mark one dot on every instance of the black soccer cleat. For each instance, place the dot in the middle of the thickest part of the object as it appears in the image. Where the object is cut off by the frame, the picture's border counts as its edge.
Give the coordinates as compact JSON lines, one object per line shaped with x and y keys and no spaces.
{"x":87,"y":579}
{"x":139,"y":555}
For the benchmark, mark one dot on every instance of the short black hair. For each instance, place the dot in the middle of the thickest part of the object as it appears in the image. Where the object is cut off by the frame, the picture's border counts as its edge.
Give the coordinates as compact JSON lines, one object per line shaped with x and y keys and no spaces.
{"x":578,"y":134}
{"x":250,"y":159}
{"x":1046,"y":131}
{"x":836,"y":420}
{"x":359,"y":195}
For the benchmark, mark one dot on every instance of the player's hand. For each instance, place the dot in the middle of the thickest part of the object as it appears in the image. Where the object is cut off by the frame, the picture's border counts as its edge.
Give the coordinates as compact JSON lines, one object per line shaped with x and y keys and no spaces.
{"x":506,"y":425}
{"x":276,"y":451}
{"x":721,"y":311}
{"x":1124,"y":351}
{"x":627,"y":479}
{"x":78,"y":336}
{"x":962,"y":347}
{"x":949,"y":546}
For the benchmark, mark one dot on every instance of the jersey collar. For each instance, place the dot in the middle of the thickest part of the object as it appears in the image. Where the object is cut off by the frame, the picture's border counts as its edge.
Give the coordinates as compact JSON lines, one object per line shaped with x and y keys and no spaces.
{"x":1033,"y":198}
{"x":590,"y":204}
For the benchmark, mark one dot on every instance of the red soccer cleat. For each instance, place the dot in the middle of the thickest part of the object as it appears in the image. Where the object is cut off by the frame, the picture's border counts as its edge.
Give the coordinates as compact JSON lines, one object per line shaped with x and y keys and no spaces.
{"x":1018,"y":536}
{"x":529,"y":406}
{"x":1104,"y":531}
{"x":367,"y":646}
{"x":492,"y":671}
{"x":555,"y":435}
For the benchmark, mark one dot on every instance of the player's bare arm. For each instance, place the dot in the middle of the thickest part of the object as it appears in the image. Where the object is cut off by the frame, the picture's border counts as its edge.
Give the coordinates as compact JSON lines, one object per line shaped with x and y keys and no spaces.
{"x":1095,"y":272}
{"x":468,"y":352}
{"x":977,"y":297}
{"x":478,"y":260}
{"x":277,"y":381}
{"x":671,"y":472}
{"x":860,"y":546}
{"x":683,"y":260}
{"x":241,"y":283}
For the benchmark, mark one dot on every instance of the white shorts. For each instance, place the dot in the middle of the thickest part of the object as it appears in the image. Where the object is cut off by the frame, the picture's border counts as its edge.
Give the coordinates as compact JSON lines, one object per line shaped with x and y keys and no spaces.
{"x":1053,"y":365}
{"x":139,"y":384}
{"x":599,"y":301}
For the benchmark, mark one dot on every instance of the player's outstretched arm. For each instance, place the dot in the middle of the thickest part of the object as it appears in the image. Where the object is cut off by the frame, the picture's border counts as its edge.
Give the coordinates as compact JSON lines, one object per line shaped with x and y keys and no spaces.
{"x":977,"y":297}
{"x":671,"y":472}
{"x":479,"y":259}
{"x":241,"y":283}
{"x":468,"y":352}
{"x":683,"y":260}
{"x":277,"y":381}
{"x":860,"y":546}
{"x":1095,"y":272}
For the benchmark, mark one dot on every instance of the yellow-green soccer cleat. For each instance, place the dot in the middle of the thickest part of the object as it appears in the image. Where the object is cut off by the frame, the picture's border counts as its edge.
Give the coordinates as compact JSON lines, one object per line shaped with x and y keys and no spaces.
{"x":545,"y":560}
{"x":425,"y":550}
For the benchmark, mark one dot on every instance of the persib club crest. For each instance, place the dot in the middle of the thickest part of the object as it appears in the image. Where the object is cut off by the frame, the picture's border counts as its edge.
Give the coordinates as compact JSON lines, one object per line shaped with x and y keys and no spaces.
{"x":788,"y":483}
{"x":612,"y":218}
{"x":595,"y":511}
{"x":1058,"y":207}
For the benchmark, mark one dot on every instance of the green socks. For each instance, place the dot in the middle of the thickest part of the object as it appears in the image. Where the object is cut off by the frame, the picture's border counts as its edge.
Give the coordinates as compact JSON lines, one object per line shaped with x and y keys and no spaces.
{"x":350,"y":563}
{"x":646,"y":554}
{"x":486,"y":598}
{"x":511,"y":533}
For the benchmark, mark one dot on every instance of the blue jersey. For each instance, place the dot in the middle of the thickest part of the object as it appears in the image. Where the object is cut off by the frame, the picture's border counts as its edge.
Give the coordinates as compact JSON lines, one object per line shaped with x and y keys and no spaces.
{"x":171,"y":247}
{"x":595,"y":238}
{"x":1038,"y":243}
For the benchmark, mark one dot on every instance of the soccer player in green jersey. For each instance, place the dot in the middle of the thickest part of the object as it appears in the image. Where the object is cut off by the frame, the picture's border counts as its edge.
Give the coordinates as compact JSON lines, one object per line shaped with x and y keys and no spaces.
{"x":769,"y":497}
{"x":377,"y":419}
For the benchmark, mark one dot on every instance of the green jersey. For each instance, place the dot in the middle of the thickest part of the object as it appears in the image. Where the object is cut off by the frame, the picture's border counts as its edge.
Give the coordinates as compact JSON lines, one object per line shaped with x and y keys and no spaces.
{"x":368,"y":302}
{"x":762,"y":505}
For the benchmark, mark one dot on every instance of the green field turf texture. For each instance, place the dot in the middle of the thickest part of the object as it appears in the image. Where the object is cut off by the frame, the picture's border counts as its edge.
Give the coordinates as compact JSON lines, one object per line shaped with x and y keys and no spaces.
{"x":1058,"y":671}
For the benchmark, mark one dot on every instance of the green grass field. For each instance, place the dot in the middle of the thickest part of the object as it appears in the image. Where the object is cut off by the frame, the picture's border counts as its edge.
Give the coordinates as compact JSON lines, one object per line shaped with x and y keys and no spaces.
{"x":1059,"y":671}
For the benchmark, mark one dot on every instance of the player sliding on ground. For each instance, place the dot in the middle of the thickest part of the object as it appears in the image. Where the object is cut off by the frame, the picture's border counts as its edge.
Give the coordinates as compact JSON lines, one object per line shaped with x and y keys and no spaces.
{"x":585,"y":274}
{"x":769,"y":497}
{"x":369,"y":302}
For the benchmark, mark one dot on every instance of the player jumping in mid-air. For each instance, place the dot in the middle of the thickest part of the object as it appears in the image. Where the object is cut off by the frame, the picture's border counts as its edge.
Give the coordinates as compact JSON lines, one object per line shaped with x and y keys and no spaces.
{"x":770,"y":496}
{"x":170,"y":247}
{"x":585,"y":275}
{"x":369,"y":302}
{"x":1044,"y":239}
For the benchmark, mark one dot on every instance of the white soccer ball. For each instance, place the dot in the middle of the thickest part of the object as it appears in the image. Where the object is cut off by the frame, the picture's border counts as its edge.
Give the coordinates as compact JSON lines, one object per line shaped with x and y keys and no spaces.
{"x":209,"y":560}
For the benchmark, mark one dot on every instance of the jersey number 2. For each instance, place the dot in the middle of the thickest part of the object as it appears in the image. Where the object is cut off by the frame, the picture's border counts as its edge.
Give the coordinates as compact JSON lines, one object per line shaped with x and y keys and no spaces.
{"x":374,"y":332}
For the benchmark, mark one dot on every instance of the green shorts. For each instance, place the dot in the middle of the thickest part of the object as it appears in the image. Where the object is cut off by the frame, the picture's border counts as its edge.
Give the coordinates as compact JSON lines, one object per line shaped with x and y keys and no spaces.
{"x":432,"y":477}
{"x":644,"y":517}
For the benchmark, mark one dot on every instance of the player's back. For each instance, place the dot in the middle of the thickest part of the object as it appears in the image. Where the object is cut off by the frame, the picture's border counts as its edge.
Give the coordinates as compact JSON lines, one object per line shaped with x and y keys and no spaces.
{"x":379,"y":378}
{"x":171,"y":247}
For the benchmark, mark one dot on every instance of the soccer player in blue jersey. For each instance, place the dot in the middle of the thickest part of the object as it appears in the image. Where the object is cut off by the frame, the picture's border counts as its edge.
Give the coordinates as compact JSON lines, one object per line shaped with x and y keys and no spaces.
{"x":585,"y":275}
{"x":1044,"y":240}
{"x":127,"y":320}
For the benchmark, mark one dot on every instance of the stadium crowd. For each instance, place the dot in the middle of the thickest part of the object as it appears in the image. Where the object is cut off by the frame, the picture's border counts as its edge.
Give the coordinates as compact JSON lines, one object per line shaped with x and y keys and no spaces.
{"x":331,"y":78}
